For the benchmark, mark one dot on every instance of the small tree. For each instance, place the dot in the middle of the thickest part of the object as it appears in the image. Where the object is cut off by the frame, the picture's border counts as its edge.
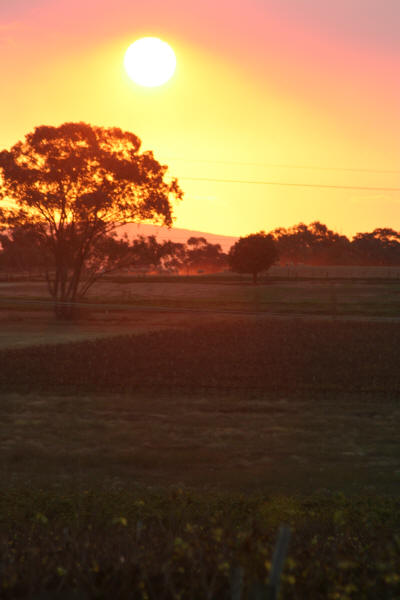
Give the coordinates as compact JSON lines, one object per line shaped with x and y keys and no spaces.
{"x":253,"y":254}
{"x":73,"y":185}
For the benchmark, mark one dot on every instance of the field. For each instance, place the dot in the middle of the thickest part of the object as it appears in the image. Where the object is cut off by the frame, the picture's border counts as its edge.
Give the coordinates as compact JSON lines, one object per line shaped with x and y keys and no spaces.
{"x":202,"y":430}
{"x":312,"y":291}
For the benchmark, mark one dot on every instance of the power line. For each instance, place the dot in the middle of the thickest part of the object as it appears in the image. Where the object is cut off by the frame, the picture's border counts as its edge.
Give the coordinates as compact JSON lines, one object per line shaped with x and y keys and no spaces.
{"x":286,"y":184}
{"x":287,"y":166}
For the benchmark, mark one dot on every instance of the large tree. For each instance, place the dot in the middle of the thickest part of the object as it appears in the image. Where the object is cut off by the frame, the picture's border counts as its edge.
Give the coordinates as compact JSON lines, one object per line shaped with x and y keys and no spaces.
{"x":73,"y":185}
{"x":253,"y":254}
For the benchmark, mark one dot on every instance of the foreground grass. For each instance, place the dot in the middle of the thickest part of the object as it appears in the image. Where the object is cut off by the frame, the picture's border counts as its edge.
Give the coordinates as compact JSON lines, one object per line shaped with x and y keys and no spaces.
{"x":279,"y":406}
{"x":239,"y":441}
{"x":239,"y":413}
{"x":176,"y":543}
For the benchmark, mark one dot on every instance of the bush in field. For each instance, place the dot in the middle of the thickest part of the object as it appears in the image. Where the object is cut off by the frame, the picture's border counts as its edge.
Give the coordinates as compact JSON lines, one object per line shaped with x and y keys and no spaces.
{"x":253,"y":254}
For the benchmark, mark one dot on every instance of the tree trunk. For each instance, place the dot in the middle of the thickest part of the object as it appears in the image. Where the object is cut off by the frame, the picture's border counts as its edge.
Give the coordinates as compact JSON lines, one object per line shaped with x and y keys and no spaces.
{"x":255,"y":278}
{"x":64,"y":310}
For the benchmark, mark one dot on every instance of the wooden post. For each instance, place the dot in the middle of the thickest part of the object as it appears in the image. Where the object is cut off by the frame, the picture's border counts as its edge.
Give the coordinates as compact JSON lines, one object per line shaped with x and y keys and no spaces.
{"x":270,"y":591}
{"x":278,"y":561}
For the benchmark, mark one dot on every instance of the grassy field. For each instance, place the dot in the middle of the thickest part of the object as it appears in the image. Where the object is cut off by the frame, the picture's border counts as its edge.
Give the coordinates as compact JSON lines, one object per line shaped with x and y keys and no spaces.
{"x":371,"y":296}
{"x":279,"y":404}
{"x":159,"y":463}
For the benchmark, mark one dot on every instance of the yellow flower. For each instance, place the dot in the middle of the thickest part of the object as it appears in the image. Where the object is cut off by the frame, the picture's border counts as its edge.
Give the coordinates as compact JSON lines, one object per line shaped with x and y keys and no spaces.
{"x":224,"y":567}
{"x":392,"y":578}
{"x":218,"y":532}
{"x":120,"y":521}
{"x":41,"y":518}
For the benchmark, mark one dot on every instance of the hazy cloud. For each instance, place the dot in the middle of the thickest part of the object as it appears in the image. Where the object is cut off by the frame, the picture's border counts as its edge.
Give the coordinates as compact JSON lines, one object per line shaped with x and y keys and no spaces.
{"x":368,"y":21}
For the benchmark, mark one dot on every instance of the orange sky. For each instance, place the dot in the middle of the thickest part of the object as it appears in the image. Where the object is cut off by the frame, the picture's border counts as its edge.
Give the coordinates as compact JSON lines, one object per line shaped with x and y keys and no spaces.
{"x":271,"y":82}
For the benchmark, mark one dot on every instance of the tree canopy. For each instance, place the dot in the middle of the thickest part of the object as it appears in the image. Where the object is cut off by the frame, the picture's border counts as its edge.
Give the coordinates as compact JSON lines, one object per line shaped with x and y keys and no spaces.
{"x":315,"y":244}
{"x":203,"y":256}
{"x":253,"y":254}
{"x":73,"y":185}
{"x":312,"y":244}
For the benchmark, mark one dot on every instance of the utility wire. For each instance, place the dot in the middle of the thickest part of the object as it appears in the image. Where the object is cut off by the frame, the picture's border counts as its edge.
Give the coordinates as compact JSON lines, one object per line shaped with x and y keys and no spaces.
{"x":285,"y":166}
{"x":286,"y":184}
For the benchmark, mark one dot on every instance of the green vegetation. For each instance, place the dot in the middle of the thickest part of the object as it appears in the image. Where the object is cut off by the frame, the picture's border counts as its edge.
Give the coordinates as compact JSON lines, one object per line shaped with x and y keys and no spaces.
{"x":175,"y":543}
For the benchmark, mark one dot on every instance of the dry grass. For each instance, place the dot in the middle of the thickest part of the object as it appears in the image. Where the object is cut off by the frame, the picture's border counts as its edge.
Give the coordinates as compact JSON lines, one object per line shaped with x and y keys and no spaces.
{"x":276,"y":444}
{"x":327,"y":296}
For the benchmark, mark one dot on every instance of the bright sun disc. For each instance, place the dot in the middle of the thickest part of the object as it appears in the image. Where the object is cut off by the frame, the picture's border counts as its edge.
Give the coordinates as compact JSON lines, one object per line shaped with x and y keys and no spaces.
{"x":150,"y":61}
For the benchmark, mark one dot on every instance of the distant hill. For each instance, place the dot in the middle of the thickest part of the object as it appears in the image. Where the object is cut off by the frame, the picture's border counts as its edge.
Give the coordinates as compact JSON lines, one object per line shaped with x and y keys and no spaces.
{"x":177,"y":235}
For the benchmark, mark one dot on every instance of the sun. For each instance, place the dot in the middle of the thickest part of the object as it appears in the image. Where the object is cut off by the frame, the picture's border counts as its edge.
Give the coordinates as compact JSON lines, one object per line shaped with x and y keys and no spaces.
{"x":150,"y":62}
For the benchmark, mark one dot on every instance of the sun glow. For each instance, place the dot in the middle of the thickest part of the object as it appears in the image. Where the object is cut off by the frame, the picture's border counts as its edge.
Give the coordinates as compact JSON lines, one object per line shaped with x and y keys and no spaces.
{"x":150,"y":62}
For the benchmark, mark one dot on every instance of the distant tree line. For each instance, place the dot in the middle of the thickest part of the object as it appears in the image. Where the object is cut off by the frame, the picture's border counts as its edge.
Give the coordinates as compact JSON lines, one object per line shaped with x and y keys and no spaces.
{"x":21,"y":251}
{"x":315,"y":244}
{"x":312,"y":244}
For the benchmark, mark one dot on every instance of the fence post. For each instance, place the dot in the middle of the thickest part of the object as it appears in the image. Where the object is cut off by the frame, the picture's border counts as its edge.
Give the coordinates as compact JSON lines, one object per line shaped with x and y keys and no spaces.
{"x":270,"y":591}
{"x":278,"y":560}
{"x":334,"y":305}
{"x":236,"y":581}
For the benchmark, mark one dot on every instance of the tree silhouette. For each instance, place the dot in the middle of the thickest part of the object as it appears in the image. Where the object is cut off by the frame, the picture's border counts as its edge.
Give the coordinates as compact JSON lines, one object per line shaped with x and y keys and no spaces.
{"x":253,"y":254}
{"x":20,"y":251}
{"x":312,"y":244}
{"x":203,"y":256}
{"x":73,"y":185}
{"x":378,"y":247}
{"x":149,"y":255}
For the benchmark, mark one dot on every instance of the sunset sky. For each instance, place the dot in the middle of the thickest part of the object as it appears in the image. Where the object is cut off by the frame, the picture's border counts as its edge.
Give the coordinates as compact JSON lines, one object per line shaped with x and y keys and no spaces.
{"x":289,"y":91}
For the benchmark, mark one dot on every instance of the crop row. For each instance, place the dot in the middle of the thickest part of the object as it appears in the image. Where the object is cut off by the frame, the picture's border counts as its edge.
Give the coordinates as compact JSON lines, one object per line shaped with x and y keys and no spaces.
{"x":276,"y":355}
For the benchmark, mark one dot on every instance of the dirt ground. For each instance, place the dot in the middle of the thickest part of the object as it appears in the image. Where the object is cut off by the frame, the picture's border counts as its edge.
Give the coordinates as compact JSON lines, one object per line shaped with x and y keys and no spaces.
{"x":21,"y":329}
{"x":31,"y":328}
